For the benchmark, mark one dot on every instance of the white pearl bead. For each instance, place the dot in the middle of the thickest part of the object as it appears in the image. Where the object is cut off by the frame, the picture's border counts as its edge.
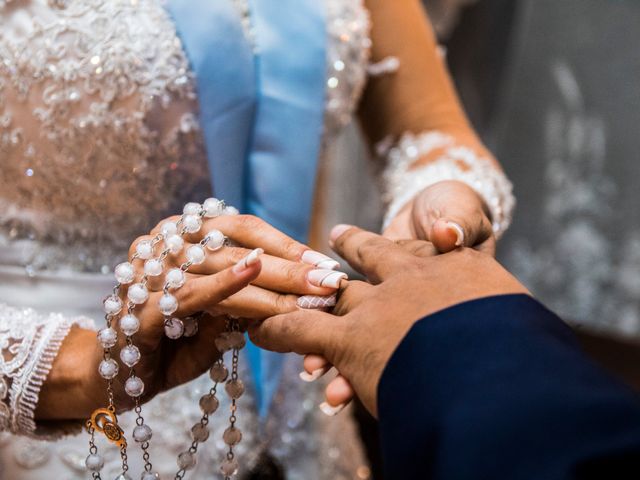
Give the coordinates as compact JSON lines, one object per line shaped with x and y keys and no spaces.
{"x":150,"y":476}
{"x":167,"y":304}
{"x":195,"y":254}
{"x":186,"y":460}
{"x":191,"y":208}
{"x":130,"y":355}
{"x":123,"y":476}
{"x":138,"y":293}
{"x":153,"y":267}
{"x":229,"y":467}
{"x":125,"y":273}
{"x":215,"y":240}
{"x":94,"y":462}
{"x":175,"y":278}
{"x":129,"y":324}
{"x":108,"y":368}
{"x":142,"y":433}
{"x":190,"y":326}
{"x":174,"y":243}
{"x":144,"y":249}
{"x":112,"y":305}
{"x":230,"y":211}
{"x":191,"y":223}
{"x":173,"y":328}
{"x":134,"y":386}
{"x":212,"y":207}
{"x":199,"y":433}
{"x":168,"y":228}
{"x":107,"y":337}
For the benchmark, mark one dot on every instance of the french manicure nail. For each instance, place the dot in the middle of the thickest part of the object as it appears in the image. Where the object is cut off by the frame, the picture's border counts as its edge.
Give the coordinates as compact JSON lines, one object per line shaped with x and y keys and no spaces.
{"x":331,"y":410}
{"x":249,"y":260}
{"x":313,"y":376}
{"x":337,"y":231}
{"x":326,"y":278}
{"x":316,"y":302}
{"x":320,"y":260}
{"x":459,"y":233}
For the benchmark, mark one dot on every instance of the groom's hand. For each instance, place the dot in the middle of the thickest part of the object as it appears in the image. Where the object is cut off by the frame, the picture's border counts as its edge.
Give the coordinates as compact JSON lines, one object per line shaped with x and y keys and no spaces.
{"x":408,"y":283}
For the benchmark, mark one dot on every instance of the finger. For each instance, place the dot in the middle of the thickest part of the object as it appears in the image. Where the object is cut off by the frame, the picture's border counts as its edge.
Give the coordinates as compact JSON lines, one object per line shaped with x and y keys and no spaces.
{"x":420,"y":248}
{"x":338,"y":394}
{"x":315,"y":366}
{"x":352,"y":294}
{"x":199,"y":294}
{"x":256,"y":303}
{"x":372,"y":255}
{"x":204,"y":293}
{"x":277,"y":274}
{"x":253,"y":232}
{"x":451,"y":214}
{"x":302,"y":332}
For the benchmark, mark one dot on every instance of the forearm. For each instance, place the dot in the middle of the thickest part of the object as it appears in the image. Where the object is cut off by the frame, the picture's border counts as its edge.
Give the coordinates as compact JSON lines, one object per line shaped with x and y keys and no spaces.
{"x":419,"y":96}
{"x":503,"y":375}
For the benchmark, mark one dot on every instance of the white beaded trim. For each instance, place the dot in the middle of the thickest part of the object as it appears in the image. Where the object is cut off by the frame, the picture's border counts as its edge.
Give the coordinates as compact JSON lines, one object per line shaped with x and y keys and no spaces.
{"x":456,"y":163}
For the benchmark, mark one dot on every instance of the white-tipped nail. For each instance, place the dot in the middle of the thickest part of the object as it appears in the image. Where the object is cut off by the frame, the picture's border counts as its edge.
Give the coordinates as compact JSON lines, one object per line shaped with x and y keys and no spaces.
{"x":315,"y":302}
{"x":326,"y":278}
{"x":330,"y":410}
{"x":459,"y":233}
{"x":320,"y":260}
{"x":313,"y":376}
{"x":249,"y":260}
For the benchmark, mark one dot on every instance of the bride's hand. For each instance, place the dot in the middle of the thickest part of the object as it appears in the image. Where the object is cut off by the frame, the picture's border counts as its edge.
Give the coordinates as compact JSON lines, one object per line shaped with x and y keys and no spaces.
{"x":74,"y":388}
{"x":289,"y":268}
{"x":449,"y":214}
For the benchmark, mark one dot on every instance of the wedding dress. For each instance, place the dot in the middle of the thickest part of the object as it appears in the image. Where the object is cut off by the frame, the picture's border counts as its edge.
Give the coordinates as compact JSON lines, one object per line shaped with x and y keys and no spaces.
{"x":100,"y":138}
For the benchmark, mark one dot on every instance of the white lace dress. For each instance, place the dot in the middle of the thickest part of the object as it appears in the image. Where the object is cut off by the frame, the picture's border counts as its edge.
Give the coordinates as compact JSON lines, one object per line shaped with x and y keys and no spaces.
{"x":99,"y":139}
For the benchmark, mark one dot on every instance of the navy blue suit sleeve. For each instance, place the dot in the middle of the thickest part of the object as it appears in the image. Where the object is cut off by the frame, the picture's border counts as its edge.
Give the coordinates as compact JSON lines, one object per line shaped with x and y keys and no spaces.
{"x":498,"y":388}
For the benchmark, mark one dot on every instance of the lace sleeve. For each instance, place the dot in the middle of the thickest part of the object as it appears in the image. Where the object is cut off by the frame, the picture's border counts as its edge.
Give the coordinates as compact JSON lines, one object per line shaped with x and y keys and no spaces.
{"x":29,"y":342}
{"x":402,"y":181}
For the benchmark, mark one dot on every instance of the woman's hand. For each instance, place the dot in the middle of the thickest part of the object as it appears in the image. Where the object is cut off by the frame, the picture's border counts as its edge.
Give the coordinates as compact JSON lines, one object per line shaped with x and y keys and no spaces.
{"x":74,"y":388}
{"x":449,"y":214}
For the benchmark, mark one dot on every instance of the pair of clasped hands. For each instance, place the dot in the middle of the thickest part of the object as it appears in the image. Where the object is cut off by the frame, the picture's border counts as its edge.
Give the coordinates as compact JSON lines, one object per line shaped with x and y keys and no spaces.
{"x":269,"y":278}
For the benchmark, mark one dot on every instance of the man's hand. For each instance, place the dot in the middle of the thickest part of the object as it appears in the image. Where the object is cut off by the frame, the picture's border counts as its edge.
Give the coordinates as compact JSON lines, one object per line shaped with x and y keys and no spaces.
{"x":407,"y":283}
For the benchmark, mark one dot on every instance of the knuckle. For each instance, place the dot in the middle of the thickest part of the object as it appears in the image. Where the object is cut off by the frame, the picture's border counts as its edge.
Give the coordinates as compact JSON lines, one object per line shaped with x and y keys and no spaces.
{"x":284,"y":304}
{"x":249,"y":222}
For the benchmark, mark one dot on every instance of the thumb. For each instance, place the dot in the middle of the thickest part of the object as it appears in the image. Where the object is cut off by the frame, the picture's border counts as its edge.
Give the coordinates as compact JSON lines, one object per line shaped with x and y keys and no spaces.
{"x":452,"y":215}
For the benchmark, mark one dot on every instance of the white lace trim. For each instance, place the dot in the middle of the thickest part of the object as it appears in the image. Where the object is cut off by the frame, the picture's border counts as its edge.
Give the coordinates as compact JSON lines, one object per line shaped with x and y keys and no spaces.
{"x":460,"y":163}
{"x":29,"y":343}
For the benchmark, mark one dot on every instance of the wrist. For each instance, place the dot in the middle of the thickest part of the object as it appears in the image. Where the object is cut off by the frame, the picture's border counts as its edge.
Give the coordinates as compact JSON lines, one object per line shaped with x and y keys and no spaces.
{"x":68,"y":391}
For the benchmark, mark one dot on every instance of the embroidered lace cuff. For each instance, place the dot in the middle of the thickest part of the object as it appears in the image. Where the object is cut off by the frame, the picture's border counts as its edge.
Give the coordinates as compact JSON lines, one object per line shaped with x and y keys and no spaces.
{"x":29,"y":343}
{"x":402,"y":183}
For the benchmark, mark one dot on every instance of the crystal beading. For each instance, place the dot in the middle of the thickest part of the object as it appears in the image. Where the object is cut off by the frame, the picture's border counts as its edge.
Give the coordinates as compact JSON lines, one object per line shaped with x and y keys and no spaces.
{"x":460,"y":163}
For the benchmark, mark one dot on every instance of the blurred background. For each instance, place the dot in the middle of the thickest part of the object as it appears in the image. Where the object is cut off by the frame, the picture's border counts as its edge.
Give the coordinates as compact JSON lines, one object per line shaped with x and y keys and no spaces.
{"x":553,"y":88}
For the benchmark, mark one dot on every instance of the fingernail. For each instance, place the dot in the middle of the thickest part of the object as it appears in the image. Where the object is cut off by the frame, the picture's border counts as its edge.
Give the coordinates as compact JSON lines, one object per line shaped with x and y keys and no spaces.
{"x":330,"y":410}
{"x":320,"y":260}
{"x":313,"y":376}
{"x":459,"y":231}
{"x":247,"y":261}
{"x":315,"y":302}
{"x":326,"y":278}
{"x":337,"y":231}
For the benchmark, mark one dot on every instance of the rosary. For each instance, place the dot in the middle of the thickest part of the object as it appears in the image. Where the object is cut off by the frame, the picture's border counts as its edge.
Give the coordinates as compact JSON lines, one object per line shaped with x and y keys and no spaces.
{"x":104,"y":420}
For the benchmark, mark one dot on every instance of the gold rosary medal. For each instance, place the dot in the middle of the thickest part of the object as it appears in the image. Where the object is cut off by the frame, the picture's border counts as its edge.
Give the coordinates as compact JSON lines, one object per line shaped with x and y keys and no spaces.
{"x":105,"y":421}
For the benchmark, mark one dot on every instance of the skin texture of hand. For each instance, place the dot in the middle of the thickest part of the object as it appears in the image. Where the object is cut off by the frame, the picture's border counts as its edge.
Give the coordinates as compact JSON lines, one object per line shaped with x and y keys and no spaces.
{"x":448,"y":214}
{"x":74,"y":388}
{"x":270,"y":286}
{"x":370,"y":320}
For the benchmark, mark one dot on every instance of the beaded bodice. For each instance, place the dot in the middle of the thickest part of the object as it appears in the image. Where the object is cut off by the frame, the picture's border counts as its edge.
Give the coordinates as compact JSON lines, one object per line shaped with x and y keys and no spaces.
{"x":99,"y":137}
